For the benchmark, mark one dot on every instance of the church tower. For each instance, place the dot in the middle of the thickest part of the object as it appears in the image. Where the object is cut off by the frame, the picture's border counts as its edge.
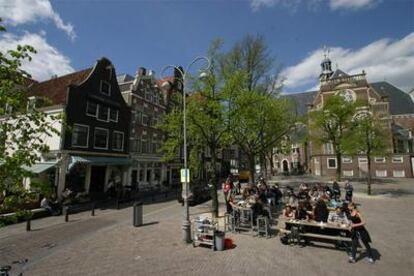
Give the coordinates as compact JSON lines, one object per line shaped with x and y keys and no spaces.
{"x":326,"y":67}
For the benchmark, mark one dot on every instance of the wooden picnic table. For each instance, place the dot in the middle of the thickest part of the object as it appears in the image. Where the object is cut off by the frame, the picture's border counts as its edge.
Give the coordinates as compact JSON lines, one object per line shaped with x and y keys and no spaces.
{"x":317,"y":230}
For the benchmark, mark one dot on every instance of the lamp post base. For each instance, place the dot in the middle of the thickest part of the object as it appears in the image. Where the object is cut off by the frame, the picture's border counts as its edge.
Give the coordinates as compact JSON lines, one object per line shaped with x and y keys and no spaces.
{"x":186,"y":231}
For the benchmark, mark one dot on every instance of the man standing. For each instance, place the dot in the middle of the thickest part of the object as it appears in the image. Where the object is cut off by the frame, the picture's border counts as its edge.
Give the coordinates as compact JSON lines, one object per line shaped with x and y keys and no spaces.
{"x":348,"y":191}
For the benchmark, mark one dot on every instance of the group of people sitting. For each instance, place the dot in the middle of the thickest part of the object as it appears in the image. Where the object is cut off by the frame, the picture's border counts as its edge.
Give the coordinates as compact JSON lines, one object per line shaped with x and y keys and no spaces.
{"x":258,"y":196}
{"x":312,"y":204}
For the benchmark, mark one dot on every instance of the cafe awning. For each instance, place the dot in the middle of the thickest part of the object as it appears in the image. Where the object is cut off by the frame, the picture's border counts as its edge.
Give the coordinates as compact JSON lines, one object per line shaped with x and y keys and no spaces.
{"x":40,"y":167}
{"x":99,"y":160}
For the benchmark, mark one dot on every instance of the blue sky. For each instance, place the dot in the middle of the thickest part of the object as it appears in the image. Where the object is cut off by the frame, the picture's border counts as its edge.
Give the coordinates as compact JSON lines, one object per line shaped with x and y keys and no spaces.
{"x":375,"y":35}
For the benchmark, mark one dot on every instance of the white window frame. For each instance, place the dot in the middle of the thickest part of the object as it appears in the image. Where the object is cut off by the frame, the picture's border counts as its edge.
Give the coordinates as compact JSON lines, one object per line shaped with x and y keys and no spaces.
{"x":107,"y":138}
{"x":394,"y":173}
{"x":395,"y":158}
{"x":362,"y":160}
{"x":380,"y":159}
{"x":97,"y":110}
{"x":109,"y":69}
{"x":31,"y":103}
{"x":107,"y":117}
{"x":123,"y":140}
{"x":381,"y":173}
{"x":327,"y":163}
{"x":117,"y":115}
{"x":347,"y":160}
{"x":348,"y":173}
{"x":109,"y":90}
{"x":87,"y":137}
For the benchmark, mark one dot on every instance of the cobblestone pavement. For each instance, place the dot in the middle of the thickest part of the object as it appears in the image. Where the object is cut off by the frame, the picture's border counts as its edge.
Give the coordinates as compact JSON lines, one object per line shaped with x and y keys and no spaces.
{"x":108,"y":244}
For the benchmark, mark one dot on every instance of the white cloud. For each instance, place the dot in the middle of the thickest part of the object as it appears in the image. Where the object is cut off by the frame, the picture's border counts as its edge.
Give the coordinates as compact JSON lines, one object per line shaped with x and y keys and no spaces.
{"x":381,"y":59}
{"x":352,"y":4}
{"x":314,"y":4}
{"x":16,"y":12}
{"x":47,"y":62}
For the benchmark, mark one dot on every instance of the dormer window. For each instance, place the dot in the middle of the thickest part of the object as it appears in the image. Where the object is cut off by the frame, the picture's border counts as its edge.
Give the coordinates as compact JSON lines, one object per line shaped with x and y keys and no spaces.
{"x":105,"y":88}
{"x":108,"y":72}
{"x":31,"y":103}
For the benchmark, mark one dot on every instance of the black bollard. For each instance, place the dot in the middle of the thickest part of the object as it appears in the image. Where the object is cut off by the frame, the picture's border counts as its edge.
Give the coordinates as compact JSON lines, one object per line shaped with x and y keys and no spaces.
{"x":117,"y":204}
{"x":66,"y":210}
{"x":93,"y":209}
{"x":28,"y":225}
{"x":166,"y":193}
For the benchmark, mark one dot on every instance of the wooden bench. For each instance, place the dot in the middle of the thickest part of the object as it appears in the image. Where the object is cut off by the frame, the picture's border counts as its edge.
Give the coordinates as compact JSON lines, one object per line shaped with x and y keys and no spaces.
{"x":318,"y":236}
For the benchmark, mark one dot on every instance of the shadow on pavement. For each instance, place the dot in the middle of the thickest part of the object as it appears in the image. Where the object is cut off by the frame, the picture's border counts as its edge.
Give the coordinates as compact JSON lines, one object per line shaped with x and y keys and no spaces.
{"x":149,"y":223}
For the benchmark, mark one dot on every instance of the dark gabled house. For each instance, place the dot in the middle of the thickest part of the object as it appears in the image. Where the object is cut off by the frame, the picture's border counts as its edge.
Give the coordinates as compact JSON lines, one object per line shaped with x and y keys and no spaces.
{"x":92,"y":149}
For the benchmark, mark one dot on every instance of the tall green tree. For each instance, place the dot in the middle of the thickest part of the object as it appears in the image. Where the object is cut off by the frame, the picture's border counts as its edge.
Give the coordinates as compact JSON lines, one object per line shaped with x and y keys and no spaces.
{"x":257,"y":72}
{"x":330,"y":124}
{"x":367,"y":136}
{"x":258,"y":122}
{"x":22,"y":129}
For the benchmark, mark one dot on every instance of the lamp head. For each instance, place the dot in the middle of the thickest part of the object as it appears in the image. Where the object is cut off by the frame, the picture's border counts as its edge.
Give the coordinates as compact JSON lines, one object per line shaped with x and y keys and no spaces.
{"x":203,"y":75}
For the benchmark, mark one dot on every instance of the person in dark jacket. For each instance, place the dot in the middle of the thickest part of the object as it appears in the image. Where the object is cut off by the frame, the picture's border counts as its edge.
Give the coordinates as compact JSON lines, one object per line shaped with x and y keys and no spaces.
{"x":349,"y":189}
{"x":336,"y":190}
{"x":320,"y":212}
{"x":359,"y":232}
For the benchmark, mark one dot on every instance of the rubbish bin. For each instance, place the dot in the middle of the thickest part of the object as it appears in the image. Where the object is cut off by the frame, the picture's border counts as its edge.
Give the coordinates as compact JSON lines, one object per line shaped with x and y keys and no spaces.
{"x":219,"y":240}
{"x":138,"y":213}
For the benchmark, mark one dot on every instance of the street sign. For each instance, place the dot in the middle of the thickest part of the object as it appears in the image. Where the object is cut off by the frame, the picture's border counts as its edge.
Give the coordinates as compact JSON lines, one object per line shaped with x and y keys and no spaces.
{"x":185,"y":174}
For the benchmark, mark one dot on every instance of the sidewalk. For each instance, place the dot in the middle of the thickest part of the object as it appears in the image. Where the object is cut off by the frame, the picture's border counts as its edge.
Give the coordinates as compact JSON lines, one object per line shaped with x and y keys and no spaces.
{"x":109,"y":245}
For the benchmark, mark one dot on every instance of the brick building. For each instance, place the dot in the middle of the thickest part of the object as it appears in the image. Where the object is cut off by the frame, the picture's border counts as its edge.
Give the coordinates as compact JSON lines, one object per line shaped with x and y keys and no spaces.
{"x":393,"y":105}
{"x":148,"y":104}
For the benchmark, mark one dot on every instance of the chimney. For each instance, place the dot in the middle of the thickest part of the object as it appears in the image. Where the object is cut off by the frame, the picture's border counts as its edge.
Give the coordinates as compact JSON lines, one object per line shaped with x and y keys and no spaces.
{"x":141,"y":71}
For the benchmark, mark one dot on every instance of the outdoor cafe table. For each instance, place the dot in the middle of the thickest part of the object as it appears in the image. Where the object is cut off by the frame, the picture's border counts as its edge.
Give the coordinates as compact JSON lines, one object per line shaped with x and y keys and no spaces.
{"x":318,"y":230}
{"x":242,"y":217}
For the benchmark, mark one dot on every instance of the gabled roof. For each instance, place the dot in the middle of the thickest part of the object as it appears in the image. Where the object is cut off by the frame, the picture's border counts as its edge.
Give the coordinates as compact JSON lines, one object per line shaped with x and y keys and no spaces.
{"x":400,"y":102}
{"x":301,"y":101}
{"x":338,"y":74}
{"x":55,"y":89}
{"x":124,"y":78}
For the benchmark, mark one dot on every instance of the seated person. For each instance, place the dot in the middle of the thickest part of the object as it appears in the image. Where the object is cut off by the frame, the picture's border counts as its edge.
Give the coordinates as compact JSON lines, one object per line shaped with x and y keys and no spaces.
{"x":320,"y":212}
{"x":333,"y":203}
{"x":46,"y":204}
{"x":338,"y":216}
{"x":54,"y":203}
{"x":288,"y":212}
{"x":302,"y":212}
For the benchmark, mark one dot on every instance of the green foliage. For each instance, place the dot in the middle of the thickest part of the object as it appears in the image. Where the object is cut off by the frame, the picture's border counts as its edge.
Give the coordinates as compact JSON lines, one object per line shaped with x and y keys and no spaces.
{"x":39,"y":186}
{"x":21,"y":130}
{"x":331,"y":124}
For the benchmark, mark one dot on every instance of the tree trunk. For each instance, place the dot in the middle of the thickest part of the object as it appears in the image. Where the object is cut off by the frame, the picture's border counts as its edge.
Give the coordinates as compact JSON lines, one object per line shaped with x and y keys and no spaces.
{"x":271,"y":165}
{"x":214,"y":183}
{"x":252,"y":168}
{"x":338,"y":166}
{"x":369,"y":174}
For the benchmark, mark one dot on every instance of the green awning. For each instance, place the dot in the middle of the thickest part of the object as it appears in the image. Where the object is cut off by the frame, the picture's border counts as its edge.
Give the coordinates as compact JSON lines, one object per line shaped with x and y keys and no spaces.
{"x":40,"y":167}
{"x":99,"y":160}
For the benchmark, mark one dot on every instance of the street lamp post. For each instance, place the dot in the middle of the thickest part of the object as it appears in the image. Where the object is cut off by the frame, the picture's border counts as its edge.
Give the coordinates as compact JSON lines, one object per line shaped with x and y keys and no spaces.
{"x":186,"y":225}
